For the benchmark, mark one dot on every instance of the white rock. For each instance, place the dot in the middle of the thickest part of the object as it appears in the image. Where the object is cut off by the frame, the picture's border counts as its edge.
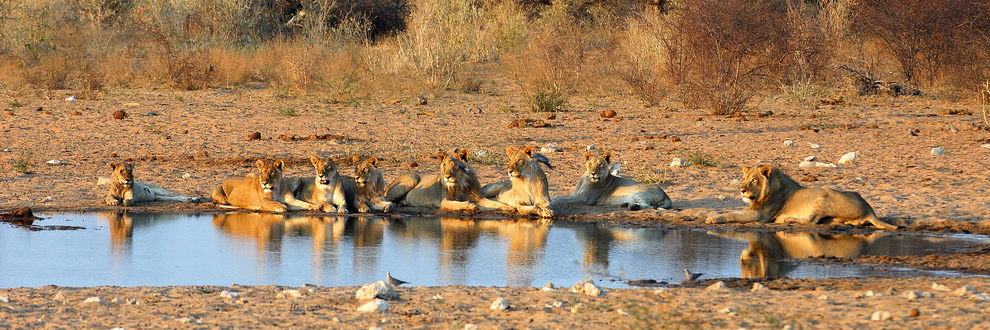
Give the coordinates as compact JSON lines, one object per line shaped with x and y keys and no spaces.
{"x":379,"y":290}
{"x":470,"y":326}
{"x":549,"y":148}
{"x":848,"y":158}
{"x":588,"y":288}
{"x":716,"y":286}
{"x":757,"y":287}
{"x":939,"y":287}
{"x":985,"y":145}
{"x":789,"y":143}
{"x":727,"y":310}
{"x":184,"y":320}
{"x":54,"y":162}
{"x":937,"y":151}
{"x":186,"y":175}
{"x":376,"y":305}
{"x":677,"y":162}
{"x":292,"y":293}
{"x":117,"y":300}
{"x":822,"y":297}
{"x":437,"y":297}
{"x":47,"y":199}
{"x":499,"y":304}
{"x":622,"y":312}
{"x":70,"y":98}
{"x":810,"y":158}
{"x":813,"y":145}
{"x":869,"y":293}
{"x":4,"y":299}
{"x":880,"y":316}
{"x":820,"y":164}
{"x":95,"y":300}
{"x":965,"y":290}
{"x":980,"y":297}
{"x":229,"y":294}
{"x":557,"y":304}
{"x":6,"y":150}
{"x":806,"y":164}
{"x":577,"y":307}
{"x":335,"y":319}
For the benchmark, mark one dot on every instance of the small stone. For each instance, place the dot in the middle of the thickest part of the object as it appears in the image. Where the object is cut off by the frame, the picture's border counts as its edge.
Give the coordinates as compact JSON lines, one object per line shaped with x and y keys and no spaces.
{"x":937,"y":151}
{"x":292,"y":293}
{"x":717,"y":286}
{"x":789,"y":143}
{"x":985,"y":145}
{"x":71,"y":99}
{"x":588,"y":288}
{"x":549,"y":285}
{"x":577,"y":307}
{"x":980,"y":297}
{"x":186,"y":175}
{"x":549,"y":148}
{"x":380,"y":290}
{"x":59,"y":295}
{"x":95,"y":300}
{"x":880,"y":316}
{"x":813,"y":145}
{"x":965,"y":290}
{"x":848,"y":158}
{"x":437,"y":297}
{"x":470,"y":326}
{"x":4,"y":299}
{"x":76,"y":113}
{"x":914,"y":312}
{"x":828,"y":165}
{"x":475,"y":110}
{"x":47,"y":199}
{"x":499,"y":305}
{"x":910,"y":295}
{"x":677,"y":162}
{"x":376,"y":305}
{"x":608,"y":114}
{"x":54,"y":162}
{"x":557,"y":304}
{"x":119,"y":114}
{"x":869,"y":294}
{"x":939,"y":287}
{"x":622,"y":312}
{"x":728,"y":310}
{"x":229,"y":294}
{"x":822,"y":297}
{"x":184,"y":320}
{"x":335,"y":319}
{"x":117,"y":300}
{"x":757,"y":287}
{"x":254,"y":136}
{"x":414,"y":164}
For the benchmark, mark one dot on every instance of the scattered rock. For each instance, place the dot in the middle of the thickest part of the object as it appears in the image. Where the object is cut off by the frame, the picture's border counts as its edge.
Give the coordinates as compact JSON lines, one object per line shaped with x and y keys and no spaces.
{"x":806,"y":164}
{"x":820,"y":164}
{"x":376,"y":305}
{"x":380,"y":290}
{"x":608,"y":114}
{"x":499,"y":305}
{"x":717,"y":286}
{"x":848,"y":158}
{"x":475,"y":110}
{"x":728,"y":310}
{"x":47,"y":199}
{"x":437,"y":297}
{"x":622,"y":312}
{"x":254,"y":136}
{"x":588,"y":288}
{"x":869,"y":293}
{"x":965,"y":290}
{"x":95,"y":300}
{"x":810,"y":158}
{"x":551,"y":116}
{"x":789,"y":143}
{"x":912,"y":295}
{"x":914,"y":312}
{"x":4,"y":299}
{"x":54,"y":162}
{"x":549,"y":148}
{"x":470,"y":326}
{"x":291,"y":293}
{"x":59,"y":295}
{"x":757,"y":287}
{"x":421,"y":100}
{"x":939,"y":287}
{"x":119,"y":114}
{"x":677,"y":162}
{"x":937,"y":151}
{"x":71,"y":99}
{"x":880,"y":316}
{"x":822,"y":297}
{"x":980,"y":297}
{"x":76,"y":113}
{"x":229,"y":294}
{"x":150,"y":114}
{"x":985,"y":145}
{"x":813,"y":145}
{"x":913,"y":131}
{"x":577,"y":307}
{"x":186,"y":175}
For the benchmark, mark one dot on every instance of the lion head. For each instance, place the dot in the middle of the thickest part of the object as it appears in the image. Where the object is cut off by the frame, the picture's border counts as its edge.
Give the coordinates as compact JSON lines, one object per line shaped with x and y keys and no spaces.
{"x":521,"y":161}
{"x":269,"y":175}
{"x":326,"y":170}
{"x":597,"y":165}
{"x":458,"y":177}
{"x":761,"y":184}
{"x":123,"y":174}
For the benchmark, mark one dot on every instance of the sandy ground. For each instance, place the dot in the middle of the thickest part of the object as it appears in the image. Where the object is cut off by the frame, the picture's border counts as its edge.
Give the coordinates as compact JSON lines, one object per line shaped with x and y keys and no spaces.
{"x":846,"y":303}
{"x":168,"y":134}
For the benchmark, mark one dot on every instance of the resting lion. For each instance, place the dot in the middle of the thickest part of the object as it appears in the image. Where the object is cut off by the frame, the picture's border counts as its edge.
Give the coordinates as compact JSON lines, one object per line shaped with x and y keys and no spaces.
{"x":598,"y":186}
{"x":527,"y":189}
{"x":775,"y":197}
{"x":761,"y":259}
{"x":125,"y":191}
{"x":368,"y":192}
{"x":325,"y":190}
{"x":266,"y":191}
{"x":455,"y":188}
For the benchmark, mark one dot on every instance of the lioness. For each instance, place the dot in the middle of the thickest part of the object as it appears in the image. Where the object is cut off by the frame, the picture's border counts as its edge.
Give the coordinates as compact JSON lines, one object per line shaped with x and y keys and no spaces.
{"x":455,"y":188}
{"x":527,"y":189}
{"x":598,"y":186}
{"x":325,"y":190}
{"x":125,"y":191}
{"x":265,"y":191}
{"x":369,"y":192}
{"x":775,"y":197}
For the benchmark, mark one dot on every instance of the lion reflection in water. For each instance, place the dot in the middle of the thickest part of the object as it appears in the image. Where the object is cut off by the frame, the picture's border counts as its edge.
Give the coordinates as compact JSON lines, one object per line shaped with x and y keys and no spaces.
{"x":267,"y":228}
{"x":761,"y":259}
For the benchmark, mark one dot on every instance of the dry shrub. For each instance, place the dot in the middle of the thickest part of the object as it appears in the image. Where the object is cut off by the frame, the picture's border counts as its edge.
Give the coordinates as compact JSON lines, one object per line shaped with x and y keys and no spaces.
{"x":929,"y":39}
{"x":233,"y":67}
{"x":51,"y":73}
{"x":297,"y":68}
{"x":643,"y":59}
{"x":730,"y":49}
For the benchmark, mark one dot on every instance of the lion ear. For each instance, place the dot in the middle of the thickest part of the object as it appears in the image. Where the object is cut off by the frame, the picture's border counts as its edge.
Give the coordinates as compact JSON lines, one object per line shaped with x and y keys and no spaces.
{"x":587,"y":156}
{"x":115,"y":165}
{"x":373,"y":161}
{"x":607,"y":157}
{"x":765,"y":171}
{"x":315,"y":160}
{"x":462,"y":154}
{"x":510,"y":150}
{"x":528,"y":150}
{"x":260,"y":164}
{"x":441,"y":155}
{"x":279,"y":165}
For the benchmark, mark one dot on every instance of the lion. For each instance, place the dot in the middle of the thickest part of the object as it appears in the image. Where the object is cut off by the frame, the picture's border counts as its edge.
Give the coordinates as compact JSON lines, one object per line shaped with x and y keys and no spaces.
{"x":266,"y":191}
{"x":527,"y":189}
{"x":325,"y":190}
{"x":455,"y":188}
{"x":125,"y":191}
{"x":761,"y":259}
{"x":368,"y":192}
{"x":775,"y":197}
{"x":599,"y":186}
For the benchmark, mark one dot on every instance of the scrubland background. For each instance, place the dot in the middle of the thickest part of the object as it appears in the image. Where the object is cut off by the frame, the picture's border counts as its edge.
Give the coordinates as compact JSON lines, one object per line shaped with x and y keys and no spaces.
{"x":718,"y":56}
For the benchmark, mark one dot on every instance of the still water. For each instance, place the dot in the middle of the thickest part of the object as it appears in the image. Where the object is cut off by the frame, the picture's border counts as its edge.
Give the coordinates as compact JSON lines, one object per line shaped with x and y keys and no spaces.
{"x":252,"y":249}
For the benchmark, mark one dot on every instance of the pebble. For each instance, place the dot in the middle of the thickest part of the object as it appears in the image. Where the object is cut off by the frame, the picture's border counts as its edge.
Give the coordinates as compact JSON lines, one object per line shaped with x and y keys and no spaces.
{"x":985,"y":145}
{"x":880,"y":316}
{"x":677,"y":162}
{"x":965,"y":290}
{"x":54,"y":162}
{"x":47,"y":199}
{"x":869,"y":294}
{"x":437,"y":297}
{"x":727,"y":310}
{"x":229,"y":294}
{"x":380,"y":290}
{"x":499,"y":304}
{"x":757,"y":287}
{"x":937,"y":151}
{"x":4,"y":299}
{"x":292,"y":293}
{"x":914,"y":312}
{"x":939,"y":287}
{"x":376,"y":305}
{"x":848,"y":158}
{"x":475,"y":109}
{"x":980,"y":297}
{"x":549,"y":148}
{"x":717,"y":286}
{"x":186,"y":175}
{"x":335,"y":319}
{"x":470,"y":326}
{"x":117,"y":300}
{"x":810,"y":158}
{"x":71,"y":99}
{"x":577,"y":308}
{"x":822,"y":297}
{"x":789,"y":143}
{"x":119,"y":114}
{"x":95,"y":300}
{"x":820,"y":164}
{"x":588,"y":288}
{"x":8,"y":150}
{"x":622,"y":312}
{"x":813,"y":145}
{"x":912,"y":295}
{"x":591,"y":147}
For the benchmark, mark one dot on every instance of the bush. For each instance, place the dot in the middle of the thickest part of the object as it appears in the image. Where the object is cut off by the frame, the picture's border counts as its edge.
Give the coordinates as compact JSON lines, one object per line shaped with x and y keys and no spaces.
{"x":548,"y":101}
{"x":23,"y":163}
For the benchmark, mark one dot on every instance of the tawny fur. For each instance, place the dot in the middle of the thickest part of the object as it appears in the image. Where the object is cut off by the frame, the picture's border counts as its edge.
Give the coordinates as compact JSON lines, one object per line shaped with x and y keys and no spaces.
{"x":598,"y":186}
{"x":325,"y":189}
{"x":527,"y":189}
{"x":125,"y":191}
{"x":367,"y":189}
{"x":266,"y":191}
{"x":775,"y":197}
{"x":455,"y":188}
{"x":761,"y":259}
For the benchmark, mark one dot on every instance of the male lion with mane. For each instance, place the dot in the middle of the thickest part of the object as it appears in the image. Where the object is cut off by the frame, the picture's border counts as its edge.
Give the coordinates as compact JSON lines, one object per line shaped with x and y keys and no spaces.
{"x":775,"y":197}
{"x":455,"y":188}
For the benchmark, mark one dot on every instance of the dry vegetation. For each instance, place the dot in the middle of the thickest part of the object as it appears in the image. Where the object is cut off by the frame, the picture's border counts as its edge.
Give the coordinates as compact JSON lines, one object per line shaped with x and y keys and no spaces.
{"x":712,"y":55}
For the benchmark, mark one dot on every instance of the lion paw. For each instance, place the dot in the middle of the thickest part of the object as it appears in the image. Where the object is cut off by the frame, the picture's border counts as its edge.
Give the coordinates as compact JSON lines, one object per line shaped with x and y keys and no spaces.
{"x":113,"y":201}
{"x":714,"y":220}
{"x":363,"y":208}
{"x":342,"y":209}
{"x":546,"y":213}
{"x":386,"y":207}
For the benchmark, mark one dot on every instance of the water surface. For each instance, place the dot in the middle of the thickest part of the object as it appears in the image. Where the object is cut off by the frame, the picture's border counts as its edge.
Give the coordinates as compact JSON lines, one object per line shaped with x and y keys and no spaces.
{"x":253,"y":249}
